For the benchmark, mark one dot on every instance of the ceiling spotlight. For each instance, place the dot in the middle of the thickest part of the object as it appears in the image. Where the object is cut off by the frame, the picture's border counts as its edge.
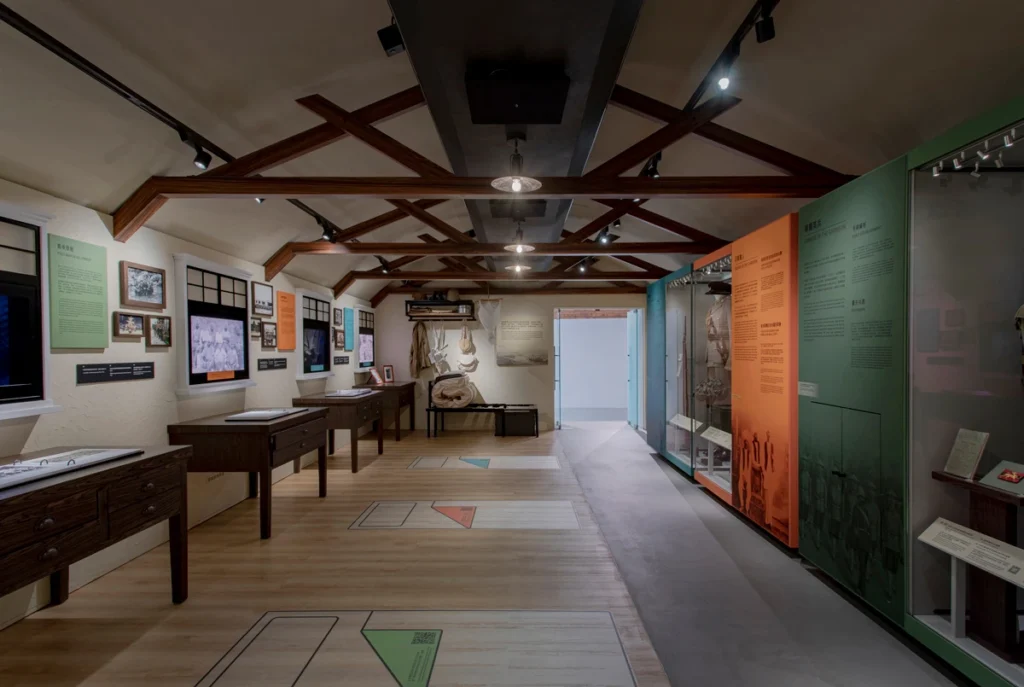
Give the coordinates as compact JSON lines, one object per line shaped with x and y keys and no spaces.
{"x":723,"y":82}
{"x":515,"y":182}
{"x":603,"y":236}
{"x":999,"y":160}
{"x":391,"y":39}
{"x":617,"y":223}
{"x":1010,"y":138}
{"x":983,"y":154}
{"x":518,"y":246}
{"x":725,"y":69}
{"x":202,"y":159}
{"x":651,"y":168}
{"x":259,"y":201}
{"x":935,"y":171}
{"x":327,"y":234}
{"x":977,"y":170}
{"x":957,"y":164}
{"x":583,"y":267}
{"x":384,"y":266}
{"x":765,"y":29}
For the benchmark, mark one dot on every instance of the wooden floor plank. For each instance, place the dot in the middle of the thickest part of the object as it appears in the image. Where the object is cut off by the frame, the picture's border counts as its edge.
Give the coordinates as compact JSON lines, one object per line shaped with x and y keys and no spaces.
{"x":122,"y":628}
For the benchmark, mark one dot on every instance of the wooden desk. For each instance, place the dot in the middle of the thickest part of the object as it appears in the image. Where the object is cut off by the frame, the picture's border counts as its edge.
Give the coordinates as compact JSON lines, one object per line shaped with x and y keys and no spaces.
{"x":47,"y":525}
{"x":397,"y":395}
{"x":254,"y":447}
{"x":350,"y":414}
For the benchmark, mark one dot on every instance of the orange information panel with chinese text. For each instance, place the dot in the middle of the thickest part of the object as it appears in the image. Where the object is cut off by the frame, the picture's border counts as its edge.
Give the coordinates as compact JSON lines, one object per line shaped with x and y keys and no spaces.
{"x":765,"y":476}
{"x":285,"y":321}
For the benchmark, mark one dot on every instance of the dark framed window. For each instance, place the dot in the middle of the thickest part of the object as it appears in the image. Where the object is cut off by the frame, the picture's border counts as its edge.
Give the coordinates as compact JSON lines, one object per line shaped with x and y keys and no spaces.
{"x":21,"y":313}
{"x":316,"y":335}
{"x":218,"y":339}
{"x":366,"y":342}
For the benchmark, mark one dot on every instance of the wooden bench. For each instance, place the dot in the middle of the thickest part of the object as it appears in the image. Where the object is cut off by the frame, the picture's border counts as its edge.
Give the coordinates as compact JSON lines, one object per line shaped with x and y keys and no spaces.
{"x":499,"y":410}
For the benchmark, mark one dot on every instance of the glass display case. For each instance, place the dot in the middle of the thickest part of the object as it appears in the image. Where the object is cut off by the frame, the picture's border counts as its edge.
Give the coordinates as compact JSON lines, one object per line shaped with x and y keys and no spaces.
{"x":681,"y":425}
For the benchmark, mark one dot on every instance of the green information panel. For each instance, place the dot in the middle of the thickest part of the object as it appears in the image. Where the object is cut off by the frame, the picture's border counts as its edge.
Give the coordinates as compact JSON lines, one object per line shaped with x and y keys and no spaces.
{"x":853,"y":396}
{"x":408,"y":654}
{"x":78,"y":293}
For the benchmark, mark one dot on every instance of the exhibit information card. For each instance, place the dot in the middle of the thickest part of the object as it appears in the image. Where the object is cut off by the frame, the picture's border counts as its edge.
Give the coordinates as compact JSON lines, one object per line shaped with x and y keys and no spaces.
{"x":78,"y":293}
{"x":983,"y":552}
{"x":966,"y":453}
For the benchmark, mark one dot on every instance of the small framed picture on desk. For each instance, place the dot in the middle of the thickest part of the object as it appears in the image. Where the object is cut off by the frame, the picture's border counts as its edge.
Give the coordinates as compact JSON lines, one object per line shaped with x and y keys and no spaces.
{"x":375,"y":376}
{"x":389,"y":374}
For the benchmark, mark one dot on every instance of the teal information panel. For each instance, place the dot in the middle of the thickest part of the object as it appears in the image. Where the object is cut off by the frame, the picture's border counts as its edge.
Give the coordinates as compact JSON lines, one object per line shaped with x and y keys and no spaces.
{"x":351,"y":333}
{"x":78,"y":293}
{"x":852,"y":385}
{"x":655,"y":342}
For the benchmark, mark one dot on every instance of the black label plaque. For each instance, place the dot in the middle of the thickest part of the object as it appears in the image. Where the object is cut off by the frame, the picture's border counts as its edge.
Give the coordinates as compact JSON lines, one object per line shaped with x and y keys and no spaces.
{"x":113,"y":372}
{"x":272,"y":363}
{"x":341,"y":360}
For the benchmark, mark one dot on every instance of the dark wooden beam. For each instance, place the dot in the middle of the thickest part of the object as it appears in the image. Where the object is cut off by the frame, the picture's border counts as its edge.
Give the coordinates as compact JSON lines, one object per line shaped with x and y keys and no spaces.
{"x":666,"y":223}
{"x":480,"y":188}
{"x":273,"y":155}
{"x":450,"y":248}
{"x":372,"y":137}
{"x":597,"y":224}
{"x":509,"y":276}
{"x":431,"y":221}
{"x":642,"y":150}
{"x":657,"y":111}
{"x":630,"y":260}
{"x":527,"y":291}
{"x":395,"y":265}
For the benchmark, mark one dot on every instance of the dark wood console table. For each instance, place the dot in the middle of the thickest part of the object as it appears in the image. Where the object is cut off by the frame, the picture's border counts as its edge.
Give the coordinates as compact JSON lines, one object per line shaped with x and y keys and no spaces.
{"x":397,"y":395}
{"x":991,"y":601}
{"x":349,"y":413}
{"x":48,"y":524}
{"x":256,"y":447}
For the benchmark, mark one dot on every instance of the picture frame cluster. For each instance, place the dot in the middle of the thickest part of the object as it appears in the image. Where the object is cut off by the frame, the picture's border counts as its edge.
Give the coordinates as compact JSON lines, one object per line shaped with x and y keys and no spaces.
{"x":143,"y":287}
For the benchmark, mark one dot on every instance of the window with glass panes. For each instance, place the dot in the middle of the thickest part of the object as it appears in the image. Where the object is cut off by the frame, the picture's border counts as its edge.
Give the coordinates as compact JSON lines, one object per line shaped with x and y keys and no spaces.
{"x":217,"y":325}
{"x":316,"y":335}
{"x":21,"y":313}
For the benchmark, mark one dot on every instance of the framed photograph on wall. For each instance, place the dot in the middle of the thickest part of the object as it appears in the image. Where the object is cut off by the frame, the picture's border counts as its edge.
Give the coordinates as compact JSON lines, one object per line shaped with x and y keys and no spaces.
{"x":129,"y":324}
{"x":255,"y":327}
{"x":339,"y":338}
{"x":269,"y":335}
{"x":158,"y":331}
{"x":375,"y":376}
{"x":262,"y":299}
{"x":143,"y":286}
{"x":389,"y":374}
{"x":339,"y":318}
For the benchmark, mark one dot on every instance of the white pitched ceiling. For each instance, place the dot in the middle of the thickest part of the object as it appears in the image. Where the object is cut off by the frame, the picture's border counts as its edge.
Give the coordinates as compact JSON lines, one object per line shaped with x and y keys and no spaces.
{"x":848,"y":85}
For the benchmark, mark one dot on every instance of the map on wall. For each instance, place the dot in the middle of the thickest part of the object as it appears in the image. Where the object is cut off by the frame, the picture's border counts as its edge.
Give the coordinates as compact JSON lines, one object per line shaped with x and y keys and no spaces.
{"x":522,"y":342}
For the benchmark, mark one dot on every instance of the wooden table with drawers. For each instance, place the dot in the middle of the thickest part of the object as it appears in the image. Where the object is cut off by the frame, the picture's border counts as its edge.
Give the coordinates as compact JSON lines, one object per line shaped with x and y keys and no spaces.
{"x":256,"y":447}
{"x":397,"y":395}
{"x":349,"y":413}
{"x":48,"y":524}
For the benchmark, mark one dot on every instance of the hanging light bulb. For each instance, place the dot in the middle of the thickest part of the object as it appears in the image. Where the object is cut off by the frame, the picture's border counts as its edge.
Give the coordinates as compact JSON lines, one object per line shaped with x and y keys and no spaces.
{"x":515,"y":182}
{"x":519,"y":246}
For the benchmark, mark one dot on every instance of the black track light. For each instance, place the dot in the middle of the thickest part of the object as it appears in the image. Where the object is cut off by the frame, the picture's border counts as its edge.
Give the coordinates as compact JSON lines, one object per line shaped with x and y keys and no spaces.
{"x":202,"y":159}
{"x":384,"y":266}
{"x":328,"y":232}
{"x":617,"y":223}
{"x":259,"y":201}
{"x":651,"y":168}
{"x":602,"y":237}
{"x":391,"y":39}
{"x":583,"y":266}
{"x":765,"y":30}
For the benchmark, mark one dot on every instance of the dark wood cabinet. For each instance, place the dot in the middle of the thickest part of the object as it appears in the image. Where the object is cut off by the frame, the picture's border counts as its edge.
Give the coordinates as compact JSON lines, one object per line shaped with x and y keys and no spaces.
{"x":49,"y":524}
{"x":349,"y":413}
{"x":397,"y":395}
{"x":255,"y":447}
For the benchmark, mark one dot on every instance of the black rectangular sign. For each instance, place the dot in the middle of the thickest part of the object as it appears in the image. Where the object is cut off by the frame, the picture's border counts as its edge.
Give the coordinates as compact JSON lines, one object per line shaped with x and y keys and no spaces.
{"x":113,"y":372}
{"x":341,"y":360}
{"x":272,"y":363}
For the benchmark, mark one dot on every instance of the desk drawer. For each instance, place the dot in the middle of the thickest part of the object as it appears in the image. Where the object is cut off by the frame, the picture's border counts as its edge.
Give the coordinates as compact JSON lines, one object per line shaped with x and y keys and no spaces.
{"x":46,"y":520}
{"x":303,"y":432}
{"x":140,"y":515}
{"x":311,"y":443}
{"x":369,"y":410}
{"x":37,"y":560}
{"x":144,"y":485}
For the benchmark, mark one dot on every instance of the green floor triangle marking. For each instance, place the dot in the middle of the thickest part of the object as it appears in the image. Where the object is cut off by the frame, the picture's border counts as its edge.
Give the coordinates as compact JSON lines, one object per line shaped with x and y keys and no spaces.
{"x":479,"y":462}
{"x":407,"y":654}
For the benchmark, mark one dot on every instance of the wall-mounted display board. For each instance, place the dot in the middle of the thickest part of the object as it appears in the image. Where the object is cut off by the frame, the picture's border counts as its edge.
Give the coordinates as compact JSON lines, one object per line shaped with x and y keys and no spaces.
{"x":852,"y":349}
{"x":521,"y":342}
{"x":95,"y":373}
{"x":350,"y":330}
{"x":78,"y":293}
{"x":285,"y":321}
{"x":763,"y":360}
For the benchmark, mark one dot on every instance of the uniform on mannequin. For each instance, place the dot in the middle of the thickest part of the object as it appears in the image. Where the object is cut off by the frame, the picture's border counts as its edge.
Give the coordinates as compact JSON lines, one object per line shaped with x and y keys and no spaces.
{"x":718,"y":325}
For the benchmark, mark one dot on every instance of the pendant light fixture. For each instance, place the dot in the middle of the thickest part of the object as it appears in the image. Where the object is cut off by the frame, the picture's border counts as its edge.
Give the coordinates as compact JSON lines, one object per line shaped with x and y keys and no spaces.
{"x":515,"y":182}
{"x":518,"y":246}
{"x":518,"y":267}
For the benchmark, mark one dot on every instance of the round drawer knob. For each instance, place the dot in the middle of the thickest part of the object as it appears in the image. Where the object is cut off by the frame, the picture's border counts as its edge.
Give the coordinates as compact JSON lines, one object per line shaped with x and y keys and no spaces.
{"x":45,"y":524}
{"x":49,"y":553}
{"x":150,"y":510}
{"x":148,"y":486}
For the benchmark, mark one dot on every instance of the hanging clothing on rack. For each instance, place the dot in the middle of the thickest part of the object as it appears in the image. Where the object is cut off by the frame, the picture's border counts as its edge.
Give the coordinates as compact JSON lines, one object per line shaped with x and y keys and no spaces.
{"x":419,"y":352}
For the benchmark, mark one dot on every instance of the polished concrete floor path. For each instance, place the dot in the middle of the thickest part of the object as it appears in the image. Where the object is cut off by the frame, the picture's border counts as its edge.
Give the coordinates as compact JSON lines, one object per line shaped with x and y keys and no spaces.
{"x":722,"y":604}
{"x":292,"y":599}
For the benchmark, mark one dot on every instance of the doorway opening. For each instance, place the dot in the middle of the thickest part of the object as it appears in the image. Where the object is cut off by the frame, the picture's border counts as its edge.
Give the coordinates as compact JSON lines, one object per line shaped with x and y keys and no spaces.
{"x":599,"y":366}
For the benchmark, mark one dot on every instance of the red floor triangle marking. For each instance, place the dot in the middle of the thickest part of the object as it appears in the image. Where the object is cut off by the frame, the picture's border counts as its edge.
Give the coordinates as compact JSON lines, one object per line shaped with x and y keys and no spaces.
{"x":460,"y":514}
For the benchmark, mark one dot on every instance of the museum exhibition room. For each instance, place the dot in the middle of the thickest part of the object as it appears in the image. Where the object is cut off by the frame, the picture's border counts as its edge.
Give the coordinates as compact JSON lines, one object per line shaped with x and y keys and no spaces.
{"x":469,"y":343}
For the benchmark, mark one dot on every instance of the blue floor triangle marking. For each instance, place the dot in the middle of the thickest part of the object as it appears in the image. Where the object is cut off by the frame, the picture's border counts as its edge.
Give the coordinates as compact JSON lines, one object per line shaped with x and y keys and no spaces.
{"x":479,"y":462}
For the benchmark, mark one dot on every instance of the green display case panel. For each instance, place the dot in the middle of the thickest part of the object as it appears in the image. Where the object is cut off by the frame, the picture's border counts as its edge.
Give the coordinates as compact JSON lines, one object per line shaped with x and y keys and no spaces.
{"x":853,"y":385}
{"x":655,"y":344}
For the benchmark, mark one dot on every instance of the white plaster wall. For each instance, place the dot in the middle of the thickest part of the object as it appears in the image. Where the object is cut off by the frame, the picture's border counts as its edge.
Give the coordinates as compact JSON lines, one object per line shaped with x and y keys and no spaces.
{"x":535,"y":384}
{"x":137,"y":413}
{"x":595,"y":367}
